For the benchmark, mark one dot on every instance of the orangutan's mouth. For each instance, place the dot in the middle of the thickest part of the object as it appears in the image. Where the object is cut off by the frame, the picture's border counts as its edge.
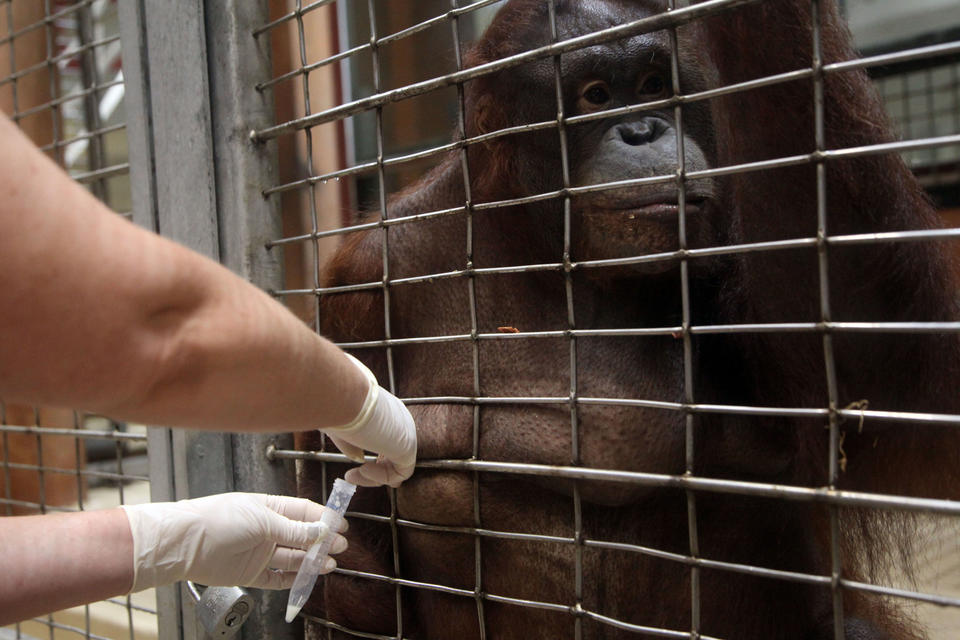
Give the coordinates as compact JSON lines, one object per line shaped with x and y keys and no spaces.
{"x":658,"y":210}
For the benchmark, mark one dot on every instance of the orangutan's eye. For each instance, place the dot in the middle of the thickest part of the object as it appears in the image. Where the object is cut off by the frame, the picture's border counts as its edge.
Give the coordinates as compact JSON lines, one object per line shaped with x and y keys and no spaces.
{"x":593,"y":95}
{"x":653,"y":86}
{"x":597,"y":94}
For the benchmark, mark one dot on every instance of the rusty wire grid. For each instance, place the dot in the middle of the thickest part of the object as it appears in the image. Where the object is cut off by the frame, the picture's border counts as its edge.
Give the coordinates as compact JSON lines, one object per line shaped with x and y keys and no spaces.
{"x":920,"y":88}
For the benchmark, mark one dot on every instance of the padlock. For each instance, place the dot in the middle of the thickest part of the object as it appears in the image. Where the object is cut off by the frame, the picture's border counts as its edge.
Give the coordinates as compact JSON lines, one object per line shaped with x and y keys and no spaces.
{"x":221,"y":611}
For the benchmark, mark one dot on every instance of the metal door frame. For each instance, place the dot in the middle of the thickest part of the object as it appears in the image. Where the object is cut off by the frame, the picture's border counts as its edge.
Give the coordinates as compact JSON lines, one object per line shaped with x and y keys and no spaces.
{"x":195,"y":178}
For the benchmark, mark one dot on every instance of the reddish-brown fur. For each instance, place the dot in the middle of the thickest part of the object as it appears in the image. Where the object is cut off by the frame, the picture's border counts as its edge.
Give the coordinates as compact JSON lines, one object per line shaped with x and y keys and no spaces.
{"x":870,"y":283}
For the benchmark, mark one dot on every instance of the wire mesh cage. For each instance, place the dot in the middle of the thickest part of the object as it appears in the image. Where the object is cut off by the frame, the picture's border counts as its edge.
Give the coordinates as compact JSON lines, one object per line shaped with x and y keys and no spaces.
{"x":631,"y":425}
{"x":61,"y":81}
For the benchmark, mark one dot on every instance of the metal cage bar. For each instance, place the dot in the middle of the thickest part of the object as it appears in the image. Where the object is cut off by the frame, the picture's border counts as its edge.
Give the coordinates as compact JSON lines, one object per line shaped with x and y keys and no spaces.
{"x":385,"y":258}
{"x":475,"y":342}
{"x":825,"y":316}
{"x":838,"y":154}
{"x":575,"y":459}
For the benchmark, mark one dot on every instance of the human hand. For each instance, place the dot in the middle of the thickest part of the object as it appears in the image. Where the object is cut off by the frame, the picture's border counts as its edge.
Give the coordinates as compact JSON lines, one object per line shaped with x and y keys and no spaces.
{"x":243,"y":539}
{"x":383,"y":426}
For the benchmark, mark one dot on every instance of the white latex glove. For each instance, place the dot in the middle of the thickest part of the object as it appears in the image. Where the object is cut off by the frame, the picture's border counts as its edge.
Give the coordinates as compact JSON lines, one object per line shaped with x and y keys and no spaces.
{"x":383,"y":426}
{"x":230,"y":539}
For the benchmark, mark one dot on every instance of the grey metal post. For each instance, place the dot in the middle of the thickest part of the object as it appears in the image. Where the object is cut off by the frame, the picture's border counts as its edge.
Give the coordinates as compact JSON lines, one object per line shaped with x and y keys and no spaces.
{"x":186,"y":207}
{"x":197,"y":178}
{"x":247,"y":221}
{"x":143,"y":189}
{"x":171,"y":158}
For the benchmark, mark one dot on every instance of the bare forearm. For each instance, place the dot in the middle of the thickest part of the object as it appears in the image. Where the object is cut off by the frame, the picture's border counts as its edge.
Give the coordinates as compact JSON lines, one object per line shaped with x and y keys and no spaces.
{"x":241,"y":361}
{"x":104,"y":316}
{"x":57,"y":561}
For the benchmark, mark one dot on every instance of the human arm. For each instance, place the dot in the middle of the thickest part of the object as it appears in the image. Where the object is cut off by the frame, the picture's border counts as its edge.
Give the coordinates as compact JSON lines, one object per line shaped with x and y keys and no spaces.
{"x":61,"y":560}
{"x":104,"y":316}
{"x":55,"y":561}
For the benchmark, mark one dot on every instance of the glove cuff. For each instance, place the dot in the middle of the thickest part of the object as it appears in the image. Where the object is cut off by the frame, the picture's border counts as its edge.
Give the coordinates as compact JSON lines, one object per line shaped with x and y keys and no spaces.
{"x":144,"y":576}
{"x":154,"y":563}
{"x":134,"y":587}
{"x":368,"y":403}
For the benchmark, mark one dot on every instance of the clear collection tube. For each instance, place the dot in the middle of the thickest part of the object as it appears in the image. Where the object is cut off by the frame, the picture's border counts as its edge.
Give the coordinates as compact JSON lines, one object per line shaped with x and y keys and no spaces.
{"x":318,"y":552}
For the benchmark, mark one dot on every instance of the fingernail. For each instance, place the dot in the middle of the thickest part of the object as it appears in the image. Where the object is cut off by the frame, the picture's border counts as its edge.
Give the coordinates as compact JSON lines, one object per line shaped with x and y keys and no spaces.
{"x":339,"y":545}
{"x":329,"y":565}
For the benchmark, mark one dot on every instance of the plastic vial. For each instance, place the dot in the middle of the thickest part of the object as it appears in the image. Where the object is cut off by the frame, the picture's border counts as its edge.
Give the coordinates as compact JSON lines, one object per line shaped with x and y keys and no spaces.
{"x":318,"y":552}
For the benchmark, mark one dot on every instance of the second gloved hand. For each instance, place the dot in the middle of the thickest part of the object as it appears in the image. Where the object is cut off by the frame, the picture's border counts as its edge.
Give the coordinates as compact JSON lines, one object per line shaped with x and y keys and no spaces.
{"x":383,"y":426}
{"x":243,"y":539}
